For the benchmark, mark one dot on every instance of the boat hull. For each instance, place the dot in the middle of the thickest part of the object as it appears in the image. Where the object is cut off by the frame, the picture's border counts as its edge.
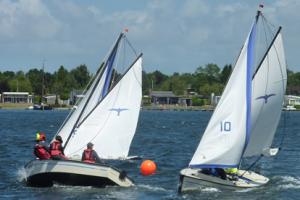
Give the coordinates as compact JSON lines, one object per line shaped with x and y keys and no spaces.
{"x":193,"y":179}
{"x":44,"y":173}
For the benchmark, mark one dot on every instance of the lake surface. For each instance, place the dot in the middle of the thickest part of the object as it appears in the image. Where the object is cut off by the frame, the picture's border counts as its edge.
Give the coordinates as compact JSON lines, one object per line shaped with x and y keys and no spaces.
{"x":167,"y":137}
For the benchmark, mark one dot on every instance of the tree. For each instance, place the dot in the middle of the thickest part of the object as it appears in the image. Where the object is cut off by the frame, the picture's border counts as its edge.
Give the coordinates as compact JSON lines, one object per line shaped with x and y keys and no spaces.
{"x":158,"y":77}
{"x":20,"y":83}
{"x":4,"y":86}
{"x":225,"y":73}
{"x":146,"y":85}
{"x":35,"y":77}
{"x":81,"y":76}
{"x":211,"y":71}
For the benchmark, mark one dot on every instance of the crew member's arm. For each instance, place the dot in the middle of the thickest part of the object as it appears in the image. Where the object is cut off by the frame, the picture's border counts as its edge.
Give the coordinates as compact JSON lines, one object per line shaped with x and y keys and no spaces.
{"x":97,"y":158}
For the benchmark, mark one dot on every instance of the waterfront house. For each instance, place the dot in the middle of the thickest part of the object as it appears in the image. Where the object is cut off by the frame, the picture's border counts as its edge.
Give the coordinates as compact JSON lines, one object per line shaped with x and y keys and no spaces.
{"x":168,"y":98}
{"x":16,"y":97}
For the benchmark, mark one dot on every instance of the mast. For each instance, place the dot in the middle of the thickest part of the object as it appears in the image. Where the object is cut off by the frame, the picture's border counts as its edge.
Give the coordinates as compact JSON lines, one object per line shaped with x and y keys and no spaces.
{"x":43,"y":83}
{"x":250,"y":63}
{"x":93,"y":89}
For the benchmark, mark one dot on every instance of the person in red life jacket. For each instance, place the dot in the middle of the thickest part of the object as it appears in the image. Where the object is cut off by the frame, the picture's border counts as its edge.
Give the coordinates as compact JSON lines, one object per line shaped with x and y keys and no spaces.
{"x":41,"y":150}
{"x":57,"y":150}
{"x":89,"y":155}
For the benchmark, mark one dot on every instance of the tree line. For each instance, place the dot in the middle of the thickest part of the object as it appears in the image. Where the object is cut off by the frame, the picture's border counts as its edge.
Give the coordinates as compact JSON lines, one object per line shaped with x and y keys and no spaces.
{"x":36,"y":81}
{"x":204,"y":81}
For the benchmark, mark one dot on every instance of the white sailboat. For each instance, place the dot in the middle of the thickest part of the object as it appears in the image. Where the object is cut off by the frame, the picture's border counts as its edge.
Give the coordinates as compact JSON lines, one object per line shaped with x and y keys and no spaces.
{"x":107,"y":116}
{"x":244,"y":121}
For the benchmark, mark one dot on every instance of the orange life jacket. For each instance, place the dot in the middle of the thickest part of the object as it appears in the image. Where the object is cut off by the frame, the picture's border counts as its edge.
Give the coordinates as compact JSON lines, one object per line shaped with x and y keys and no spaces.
{"x":55,"y":148}
{"x":88,"y":156}
{"x":41,"y":152}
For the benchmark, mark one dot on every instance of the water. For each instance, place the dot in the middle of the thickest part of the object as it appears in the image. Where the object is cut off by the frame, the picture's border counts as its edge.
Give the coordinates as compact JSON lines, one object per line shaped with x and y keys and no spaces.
{"x":169,"y":138}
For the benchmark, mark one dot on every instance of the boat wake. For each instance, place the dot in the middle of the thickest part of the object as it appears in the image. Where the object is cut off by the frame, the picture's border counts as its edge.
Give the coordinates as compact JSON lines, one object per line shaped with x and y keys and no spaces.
{"x":289,"y":182}
{"x":152,"y":188}
{"x":210,"y":189}
{"x":245,"y":190}
{"x":21,"y":174}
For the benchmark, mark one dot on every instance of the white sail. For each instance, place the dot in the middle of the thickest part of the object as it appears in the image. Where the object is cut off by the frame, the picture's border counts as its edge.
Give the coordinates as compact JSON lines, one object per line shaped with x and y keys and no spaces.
{"x":111,"y":125}
{"x":93,"y":95}
{"x":67,"y":127}
{"x":224,"y":138}
{"x":268,"y":85}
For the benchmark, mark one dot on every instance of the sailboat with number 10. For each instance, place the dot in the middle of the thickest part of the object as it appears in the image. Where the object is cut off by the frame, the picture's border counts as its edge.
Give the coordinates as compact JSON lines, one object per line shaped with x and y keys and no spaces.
{"x":245,"y":120}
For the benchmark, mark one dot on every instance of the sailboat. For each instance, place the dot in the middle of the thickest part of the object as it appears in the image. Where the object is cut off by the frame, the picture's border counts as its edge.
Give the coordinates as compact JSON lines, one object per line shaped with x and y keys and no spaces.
{"x":42,"y":105}
{"x":107,"y":116}
{"x":245,"y":120}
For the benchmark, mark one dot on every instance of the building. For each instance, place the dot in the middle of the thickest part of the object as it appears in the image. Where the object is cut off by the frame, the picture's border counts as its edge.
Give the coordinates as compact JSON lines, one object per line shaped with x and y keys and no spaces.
{"x":163,"y":97}
{"x":291,"y":100}
{"x":75,"y":96}
{"x":214,"y":99}
{"x":168,"y":98}
{"x":16,"y":97}
{"x":51,"y":100}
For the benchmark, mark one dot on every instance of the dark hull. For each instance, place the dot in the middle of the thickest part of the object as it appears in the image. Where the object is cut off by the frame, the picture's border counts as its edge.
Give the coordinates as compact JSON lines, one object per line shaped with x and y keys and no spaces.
{"x":48,"y":179}
{"x":45,"y":173}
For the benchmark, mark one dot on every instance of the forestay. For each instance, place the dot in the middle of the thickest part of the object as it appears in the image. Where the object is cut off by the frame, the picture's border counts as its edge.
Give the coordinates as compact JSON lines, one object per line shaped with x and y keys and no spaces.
{"x":224,"y":139}
{"x":268,"y":85}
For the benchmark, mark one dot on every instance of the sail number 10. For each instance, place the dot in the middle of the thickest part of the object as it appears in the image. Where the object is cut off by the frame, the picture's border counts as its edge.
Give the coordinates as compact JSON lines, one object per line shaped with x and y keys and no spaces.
{"x":225,"y":126}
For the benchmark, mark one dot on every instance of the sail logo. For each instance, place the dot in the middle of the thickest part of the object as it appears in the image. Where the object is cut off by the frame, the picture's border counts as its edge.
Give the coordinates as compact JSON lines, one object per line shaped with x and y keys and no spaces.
{"x":265,"y":97}
{"x":118,"y":110}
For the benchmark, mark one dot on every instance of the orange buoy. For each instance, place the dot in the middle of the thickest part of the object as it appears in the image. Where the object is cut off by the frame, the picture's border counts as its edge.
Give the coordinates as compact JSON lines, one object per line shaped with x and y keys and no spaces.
{"x":148,"y":167}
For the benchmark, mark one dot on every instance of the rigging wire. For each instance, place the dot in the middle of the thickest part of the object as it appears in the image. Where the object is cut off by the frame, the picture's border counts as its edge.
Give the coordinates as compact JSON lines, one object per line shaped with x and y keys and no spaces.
{"x":130,"y":45}
{"x":284,"y":130}
{"x":253,"y":164}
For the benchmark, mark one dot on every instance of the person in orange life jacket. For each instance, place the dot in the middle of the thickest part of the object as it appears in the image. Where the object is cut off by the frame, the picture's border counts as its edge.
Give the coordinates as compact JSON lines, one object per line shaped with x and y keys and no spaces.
{"x":56,"y":149}
{"x":89,"y":155}
{"x":41,"y":150}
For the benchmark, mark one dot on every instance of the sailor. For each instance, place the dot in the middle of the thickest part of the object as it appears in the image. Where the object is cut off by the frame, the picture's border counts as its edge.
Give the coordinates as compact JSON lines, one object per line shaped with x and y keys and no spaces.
{"x":57,"y":150}
{"x":89,"y":155}
{"x":41,"y":150}
{"x":219,"y":172}
{"x":232,"y":172}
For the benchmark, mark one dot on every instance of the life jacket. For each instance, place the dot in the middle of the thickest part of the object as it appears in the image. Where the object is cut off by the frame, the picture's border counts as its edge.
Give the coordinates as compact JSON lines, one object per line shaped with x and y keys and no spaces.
{"x":231,"y":170}
{"x":88,"y":156}
{"x":41,"y":152}
{"x":55,"y":148}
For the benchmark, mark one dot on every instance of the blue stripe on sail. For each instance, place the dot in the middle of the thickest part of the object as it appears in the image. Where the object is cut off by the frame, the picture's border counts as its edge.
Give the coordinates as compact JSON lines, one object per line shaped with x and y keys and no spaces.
{"x":250,"y":62}
{"x":109,"y":64}
{"x":212,"y":166}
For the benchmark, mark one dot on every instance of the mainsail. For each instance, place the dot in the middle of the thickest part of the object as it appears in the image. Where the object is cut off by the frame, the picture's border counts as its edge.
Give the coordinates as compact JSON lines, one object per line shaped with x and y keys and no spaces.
{"x":106,"y":116}
{"x":245,"y":119}
{"x":269,"y":84}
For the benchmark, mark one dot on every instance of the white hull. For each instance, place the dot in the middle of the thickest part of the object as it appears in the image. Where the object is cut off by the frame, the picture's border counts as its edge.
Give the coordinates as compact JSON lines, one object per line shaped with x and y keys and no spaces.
{"x":43,"y":173}
{"x":193,"y":179}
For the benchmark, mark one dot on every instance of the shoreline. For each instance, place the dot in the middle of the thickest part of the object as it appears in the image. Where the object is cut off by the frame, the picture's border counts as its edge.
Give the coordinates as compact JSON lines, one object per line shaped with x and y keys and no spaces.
{"x":209,"y":108}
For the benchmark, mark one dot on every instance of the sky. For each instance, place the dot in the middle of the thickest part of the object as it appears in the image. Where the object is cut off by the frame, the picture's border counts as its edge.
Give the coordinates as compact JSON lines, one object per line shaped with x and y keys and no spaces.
{"x":174,"y":35}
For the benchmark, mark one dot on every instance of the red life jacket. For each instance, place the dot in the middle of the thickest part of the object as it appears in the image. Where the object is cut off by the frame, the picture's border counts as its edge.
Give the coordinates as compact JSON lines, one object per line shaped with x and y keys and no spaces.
{"x":41,"y":152}
{"x":55,"y":148}
{"x":88,"y":156}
